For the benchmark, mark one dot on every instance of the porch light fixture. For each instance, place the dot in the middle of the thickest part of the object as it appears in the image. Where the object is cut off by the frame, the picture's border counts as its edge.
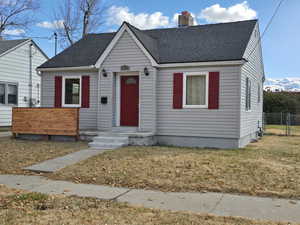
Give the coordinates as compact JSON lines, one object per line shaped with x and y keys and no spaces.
{"x":104,"y":73}
{"x":146,"y":71}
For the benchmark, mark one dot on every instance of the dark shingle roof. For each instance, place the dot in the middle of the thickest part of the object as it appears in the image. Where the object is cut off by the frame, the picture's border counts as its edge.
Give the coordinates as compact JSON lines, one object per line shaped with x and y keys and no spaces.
{"x":6,"y":45}
{"x":85,"y":52}
{"x":203,"y":43}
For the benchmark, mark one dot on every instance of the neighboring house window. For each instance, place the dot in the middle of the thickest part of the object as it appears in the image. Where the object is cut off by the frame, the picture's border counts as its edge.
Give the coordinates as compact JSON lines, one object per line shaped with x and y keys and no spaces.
{"x":248,"y":94}
{"x":258,"y":93}
{"x":72,"y":91}
{"x":8,"y":93}
{"x":2,"y":93}
{"x":195,"y":90}
{"x":12,"y":94}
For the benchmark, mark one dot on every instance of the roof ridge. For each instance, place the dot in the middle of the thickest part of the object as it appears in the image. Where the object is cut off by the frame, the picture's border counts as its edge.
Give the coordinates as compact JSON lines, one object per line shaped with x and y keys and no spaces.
{"x":170,"y":28}
{"x":201,"y":25}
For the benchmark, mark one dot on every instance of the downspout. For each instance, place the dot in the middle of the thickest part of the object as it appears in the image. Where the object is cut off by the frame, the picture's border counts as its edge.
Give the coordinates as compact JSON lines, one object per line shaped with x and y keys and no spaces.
{"x":30,"y":75}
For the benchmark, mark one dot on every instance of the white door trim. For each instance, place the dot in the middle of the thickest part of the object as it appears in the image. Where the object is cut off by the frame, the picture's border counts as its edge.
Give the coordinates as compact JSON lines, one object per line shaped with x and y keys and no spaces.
{"x":118,"y":95}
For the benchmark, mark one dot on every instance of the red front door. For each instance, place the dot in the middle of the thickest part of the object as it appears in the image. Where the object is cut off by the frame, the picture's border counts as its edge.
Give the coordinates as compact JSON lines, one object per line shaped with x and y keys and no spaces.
{"x":129,"y":101}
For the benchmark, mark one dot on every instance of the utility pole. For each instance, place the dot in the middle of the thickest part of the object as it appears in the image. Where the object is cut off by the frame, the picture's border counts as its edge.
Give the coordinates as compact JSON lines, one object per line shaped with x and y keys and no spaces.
{"x":55,"y":37}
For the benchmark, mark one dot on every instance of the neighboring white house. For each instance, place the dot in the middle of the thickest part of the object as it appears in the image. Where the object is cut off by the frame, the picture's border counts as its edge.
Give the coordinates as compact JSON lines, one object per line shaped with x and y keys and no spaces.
{"x":17,"y":72}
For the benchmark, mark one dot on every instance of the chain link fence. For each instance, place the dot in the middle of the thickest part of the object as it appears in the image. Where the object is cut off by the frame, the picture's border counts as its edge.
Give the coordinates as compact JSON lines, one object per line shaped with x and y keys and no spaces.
{"x":287,"y":124}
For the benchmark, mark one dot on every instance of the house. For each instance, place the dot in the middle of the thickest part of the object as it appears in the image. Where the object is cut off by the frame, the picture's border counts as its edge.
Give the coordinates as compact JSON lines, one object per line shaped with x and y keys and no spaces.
{"x":19,"y":82}
{"x":187,"y":86}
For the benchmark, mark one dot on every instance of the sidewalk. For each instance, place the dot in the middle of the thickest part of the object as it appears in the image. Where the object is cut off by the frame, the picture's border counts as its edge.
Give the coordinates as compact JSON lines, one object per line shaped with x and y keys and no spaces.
{"x":212,"y":203}
{"x":53,"y":165}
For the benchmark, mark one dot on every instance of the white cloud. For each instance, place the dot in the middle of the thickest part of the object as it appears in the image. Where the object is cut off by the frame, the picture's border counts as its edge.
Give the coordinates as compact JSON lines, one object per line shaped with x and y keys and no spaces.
{"x":218,"y":14}
{"x":14,"y":32}
{"x":117,"y":15}
{"x":51,"y":25}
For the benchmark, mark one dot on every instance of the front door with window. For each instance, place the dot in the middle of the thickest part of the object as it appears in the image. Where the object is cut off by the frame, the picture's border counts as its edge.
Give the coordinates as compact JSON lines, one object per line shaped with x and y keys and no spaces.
{"x":129,"y":101}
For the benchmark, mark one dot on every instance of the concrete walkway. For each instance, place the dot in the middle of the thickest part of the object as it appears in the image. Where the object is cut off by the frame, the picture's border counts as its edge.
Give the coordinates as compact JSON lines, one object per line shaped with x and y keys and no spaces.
{"x":53,"y":165}
{"x":212,"y":203}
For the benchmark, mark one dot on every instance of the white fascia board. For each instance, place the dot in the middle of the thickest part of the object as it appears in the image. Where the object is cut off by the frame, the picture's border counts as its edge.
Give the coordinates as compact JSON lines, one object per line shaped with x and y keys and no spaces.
{"x":79,"y":68}
{"x":195,"y":64}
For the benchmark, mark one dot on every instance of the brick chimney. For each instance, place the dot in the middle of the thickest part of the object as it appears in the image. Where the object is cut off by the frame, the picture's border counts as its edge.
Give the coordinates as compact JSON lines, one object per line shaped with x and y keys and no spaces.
{"x":185,"y":19}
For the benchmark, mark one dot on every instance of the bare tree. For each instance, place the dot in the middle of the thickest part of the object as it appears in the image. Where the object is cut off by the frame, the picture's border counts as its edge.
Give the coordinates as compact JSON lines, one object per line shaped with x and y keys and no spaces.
{"x":77,"y":18}
{"x":16,"y":14}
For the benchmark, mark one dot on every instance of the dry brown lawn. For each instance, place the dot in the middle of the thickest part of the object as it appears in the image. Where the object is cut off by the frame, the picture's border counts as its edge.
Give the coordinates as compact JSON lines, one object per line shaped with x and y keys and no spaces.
{"x":23,"y":208}
{"x":16,"y":154}
{"x":281,"y":130}
{"x":270,"y":167}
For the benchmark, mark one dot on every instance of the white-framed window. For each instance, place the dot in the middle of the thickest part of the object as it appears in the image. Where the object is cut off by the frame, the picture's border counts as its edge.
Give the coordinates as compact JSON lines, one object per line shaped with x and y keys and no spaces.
{"x":258,"y":93}
{"x":71,"y":91}
{"x":8,"y":93}
{"x":248,"y":94}
{"x":195,"y":90}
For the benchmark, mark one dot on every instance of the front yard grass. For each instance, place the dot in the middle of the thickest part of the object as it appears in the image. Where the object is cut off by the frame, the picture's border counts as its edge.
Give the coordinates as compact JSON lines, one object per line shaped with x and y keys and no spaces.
{"x":16,"y":154}
{"x":270,"y":167}
{"x":19,"y":207}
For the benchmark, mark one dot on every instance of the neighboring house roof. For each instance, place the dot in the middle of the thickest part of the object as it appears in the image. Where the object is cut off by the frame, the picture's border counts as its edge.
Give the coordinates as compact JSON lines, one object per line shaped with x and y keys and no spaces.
{"x":6,"y":45}
{"x":9,"y":45}
{"x":202,"y":43}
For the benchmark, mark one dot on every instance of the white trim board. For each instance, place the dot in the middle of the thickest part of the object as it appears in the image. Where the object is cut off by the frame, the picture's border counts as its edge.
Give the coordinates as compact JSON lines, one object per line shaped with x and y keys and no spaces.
{"x":195,"y":64}
{"x":115,"y":41}
{"x":64,"y":91}
{"x":206,"y":74}
{"x":167,"y":65}
{"x":79,"y":68}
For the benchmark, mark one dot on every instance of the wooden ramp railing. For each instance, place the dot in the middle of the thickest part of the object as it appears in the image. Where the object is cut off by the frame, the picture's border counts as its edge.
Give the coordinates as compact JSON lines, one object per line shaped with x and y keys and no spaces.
{"x":46,"y":121}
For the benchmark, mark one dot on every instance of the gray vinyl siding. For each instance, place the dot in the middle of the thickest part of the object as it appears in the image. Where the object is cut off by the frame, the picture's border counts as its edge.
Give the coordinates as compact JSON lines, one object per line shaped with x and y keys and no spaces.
{"x":14,"y":68}
{"x":254,"y":70}
{"x":222,"y":122}
{"x":88,"y":116}
{"x":127,"y":52}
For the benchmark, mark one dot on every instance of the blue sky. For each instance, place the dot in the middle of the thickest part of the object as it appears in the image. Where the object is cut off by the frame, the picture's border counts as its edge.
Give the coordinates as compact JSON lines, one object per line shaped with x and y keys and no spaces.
{"x":280,"y":44}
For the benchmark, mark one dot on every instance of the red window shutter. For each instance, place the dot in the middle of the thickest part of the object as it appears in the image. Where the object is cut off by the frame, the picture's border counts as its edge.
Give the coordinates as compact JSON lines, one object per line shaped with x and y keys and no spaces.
{"x":214,"y":90}
{"x":177,"y":90}
{"x":58,"y":92}
{"x":85,"y":98}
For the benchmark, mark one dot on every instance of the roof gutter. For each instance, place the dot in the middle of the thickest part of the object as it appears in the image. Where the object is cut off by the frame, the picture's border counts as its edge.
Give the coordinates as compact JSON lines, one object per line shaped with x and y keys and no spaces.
{"x":195,"y":64}
{"x":91,"y":67}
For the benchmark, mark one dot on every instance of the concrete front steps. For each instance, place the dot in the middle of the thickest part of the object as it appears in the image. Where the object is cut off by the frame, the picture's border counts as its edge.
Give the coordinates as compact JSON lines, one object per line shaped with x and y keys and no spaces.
{"x":109,"y":141}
